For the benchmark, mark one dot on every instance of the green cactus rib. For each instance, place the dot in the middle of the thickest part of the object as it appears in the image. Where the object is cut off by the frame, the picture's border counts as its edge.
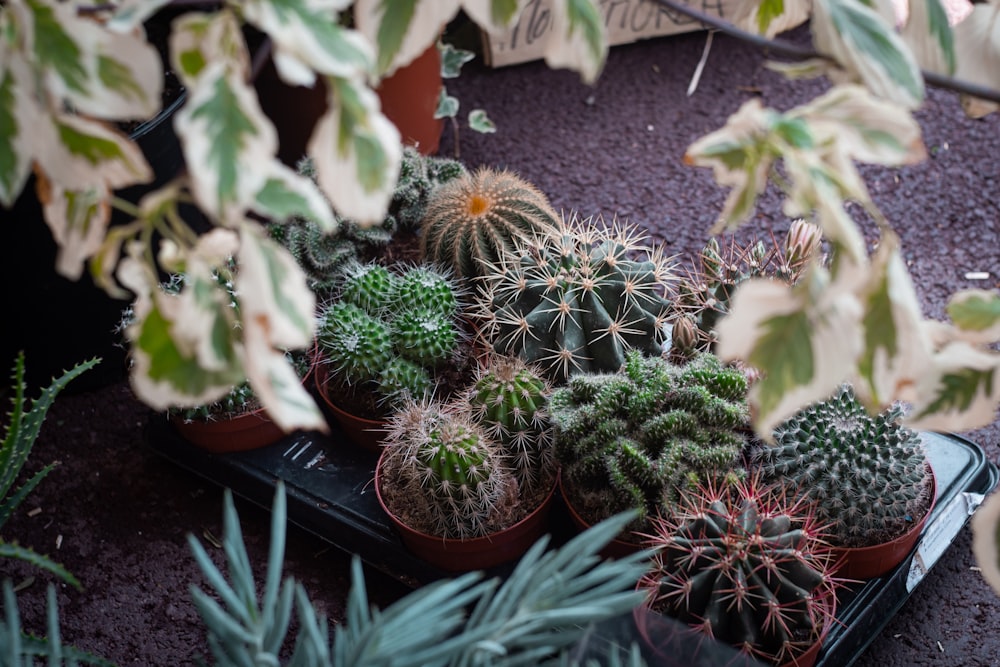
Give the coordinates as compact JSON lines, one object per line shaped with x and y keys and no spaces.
{"x":576,"y":303}
{"x":453,"y":479}
{"x":472,"y":221}
{"x":746,"y":566}
{"x":867,"y":474}
{"x":635,"y":438}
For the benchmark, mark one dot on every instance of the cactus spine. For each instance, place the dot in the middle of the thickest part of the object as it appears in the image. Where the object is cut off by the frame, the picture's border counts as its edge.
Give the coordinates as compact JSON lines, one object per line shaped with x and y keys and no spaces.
{"x":578,"y":303}
{"x":868,"y":475}
{"x":509,"y":399}
{"x":746,"y":566}
{"x":445,"y":474}
{"x":637,"y":437}
{"x":473,"y":220}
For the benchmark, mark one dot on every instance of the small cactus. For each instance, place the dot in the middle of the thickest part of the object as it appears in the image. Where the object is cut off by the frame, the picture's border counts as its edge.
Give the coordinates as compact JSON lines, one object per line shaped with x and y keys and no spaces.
{"x":578,"y":303}
{"x":636,"y":438}
{"x":745,"y":565}
{"x":448,"y":477}
{"x":509,"y":399}
{"x":868,"y":475}
{"x":473,"y":220}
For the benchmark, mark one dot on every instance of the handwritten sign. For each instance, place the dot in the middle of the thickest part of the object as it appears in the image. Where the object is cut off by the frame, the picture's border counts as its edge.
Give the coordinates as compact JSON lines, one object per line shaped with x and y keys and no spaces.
{"x":627,"y":21}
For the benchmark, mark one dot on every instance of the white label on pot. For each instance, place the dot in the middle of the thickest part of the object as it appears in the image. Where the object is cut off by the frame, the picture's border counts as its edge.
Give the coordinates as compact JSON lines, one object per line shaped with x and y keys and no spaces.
{"x":939,"y":534}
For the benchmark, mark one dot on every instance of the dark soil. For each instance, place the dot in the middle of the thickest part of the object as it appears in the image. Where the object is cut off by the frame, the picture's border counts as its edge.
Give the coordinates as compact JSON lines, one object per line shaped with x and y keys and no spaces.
{"x":118,"y":516}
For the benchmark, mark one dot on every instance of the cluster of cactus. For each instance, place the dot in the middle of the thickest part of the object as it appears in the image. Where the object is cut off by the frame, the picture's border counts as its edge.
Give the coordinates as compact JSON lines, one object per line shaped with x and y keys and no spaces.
{"x":704,"y":294}
{"x":509,"y":400}
{"x":444,"y":474}
{"x":578,"y":301}
{"x":324,"y":255}
{"x":473,"y":220}
{"x":867,"y":474}
{"x":636,"y":438}
{"x":747,"y":566}
{"x":388,"y":330}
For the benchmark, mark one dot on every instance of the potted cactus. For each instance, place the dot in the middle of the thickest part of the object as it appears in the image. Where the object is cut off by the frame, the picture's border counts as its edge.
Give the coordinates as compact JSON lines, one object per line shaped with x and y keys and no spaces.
{"x":636,"y":438}
{"x":867,"y":475}
{"x":390,"y":334}
{"x":472,"y":221}
{"x":747,"y":565}
{"x":578,"y":301}
{"x":456,"y":496}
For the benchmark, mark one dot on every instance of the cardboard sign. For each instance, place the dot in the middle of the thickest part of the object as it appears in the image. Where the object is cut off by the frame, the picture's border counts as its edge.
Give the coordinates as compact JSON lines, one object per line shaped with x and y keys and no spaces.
{"x":626,"y":21}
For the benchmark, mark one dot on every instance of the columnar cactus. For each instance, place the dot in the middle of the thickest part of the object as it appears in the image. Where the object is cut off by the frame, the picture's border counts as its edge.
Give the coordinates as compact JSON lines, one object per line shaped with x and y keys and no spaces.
{"x":747,"y":566}
{"x":636,"y":438}
{"x":390,"y":330}
{"x":509,"y":399}
{"x":473,"y":220}
{"x":447,"y":476}
{"x":706,"y":291}
{"x":868,"y":475}
{"x":579,"y":302}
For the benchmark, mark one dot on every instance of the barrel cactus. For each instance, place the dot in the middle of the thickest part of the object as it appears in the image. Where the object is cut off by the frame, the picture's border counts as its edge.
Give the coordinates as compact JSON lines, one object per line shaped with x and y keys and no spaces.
{"x":443,"y":475}
{"x":509,"y":399}
{"x":636,"y":438}
{"x":867,"y":474}
{"x":577,"y":303}
{"x":473,"y":220}
{"x":704,"y":294}
{"x":390,"y":329}
{"x":746,"y":565}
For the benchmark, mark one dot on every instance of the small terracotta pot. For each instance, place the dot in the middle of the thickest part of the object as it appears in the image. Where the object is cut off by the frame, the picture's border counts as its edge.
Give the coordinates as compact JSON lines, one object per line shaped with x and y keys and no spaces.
{"x":650,"y":623}
{"x":477,"y":553}
{"x":366,"y":433}
{"x":219,"y":436}
{"x":409,"y":98}
{"x":616,"y":548}
{"x":876,"y":560}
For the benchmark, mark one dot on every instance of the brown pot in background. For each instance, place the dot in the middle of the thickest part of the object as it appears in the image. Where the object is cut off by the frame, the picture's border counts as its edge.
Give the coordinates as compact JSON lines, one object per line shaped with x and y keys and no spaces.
{"x":237,"y":434}
{"x":616,"y":548}
{"x":364,"y":432}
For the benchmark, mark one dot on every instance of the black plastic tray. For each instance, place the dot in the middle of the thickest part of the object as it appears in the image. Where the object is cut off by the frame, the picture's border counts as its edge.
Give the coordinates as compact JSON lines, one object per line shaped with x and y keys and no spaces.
{"x":328,"y":484}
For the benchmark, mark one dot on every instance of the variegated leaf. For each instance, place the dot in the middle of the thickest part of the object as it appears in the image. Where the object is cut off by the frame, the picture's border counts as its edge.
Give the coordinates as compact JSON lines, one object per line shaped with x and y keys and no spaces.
{"x":402,"y":29}
{"x":198,"y":39}
{"x":224,"y":131}
{"x":578,"y":39}
{"x":897,"y":347}
{"x":18,"y":111}
{"x":357,"y":153}
{"x":493,"y":16}
{"x":928,"y":33}
{"x":309,"y":39}
{"x":131,"y":14}
{"x":805,"y":339}
{"x":977,"y":52}
{"x":99,"y":72}
{"x":739,"y":158}
{"x":277,"y":309}
{"x":976,"y":313}
{"x":959,"y":391}
{"x":164,"y":372}
{"x":78,"y":220}
{"x":868,"y":48}
{"x":771,"y":17}
{"x":287,"y":194}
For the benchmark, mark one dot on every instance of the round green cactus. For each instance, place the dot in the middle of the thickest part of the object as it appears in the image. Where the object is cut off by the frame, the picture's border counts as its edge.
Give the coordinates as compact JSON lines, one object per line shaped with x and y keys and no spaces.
{"x":453,"y":479}
{"x":402,"y":379}
{"x":427,"y":286}
{"x":868,"y":475}
{"x":636,"y":438}
{"x":509,"y":399}
{"x":371,"y":287}
{"x":745,"y":565}
{"x":357,"y":345}
{"x":473,"y":220}
{"x":580,"y":302}
{"x":423,"y":335}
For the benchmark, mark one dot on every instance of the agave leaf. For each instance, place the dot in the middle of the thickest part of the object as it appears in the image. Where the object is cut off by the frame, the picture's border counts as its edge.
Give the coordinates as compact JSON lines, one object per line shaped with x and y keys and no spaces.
{"x":38,"y":560}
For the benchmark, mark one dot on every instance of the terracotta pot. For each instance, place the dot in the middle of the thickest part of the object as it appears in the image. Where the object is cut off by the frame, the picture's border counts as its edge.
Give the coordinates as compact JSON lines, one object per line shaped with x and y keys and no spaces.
{"x":477,"y":553}
{"x":366,"y":433}
{"x":876,"y":560}
{"x":248,"y":431}
{"x":410,"y":97}
{"x":666,"y":637}
{"x":616,"y":548}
